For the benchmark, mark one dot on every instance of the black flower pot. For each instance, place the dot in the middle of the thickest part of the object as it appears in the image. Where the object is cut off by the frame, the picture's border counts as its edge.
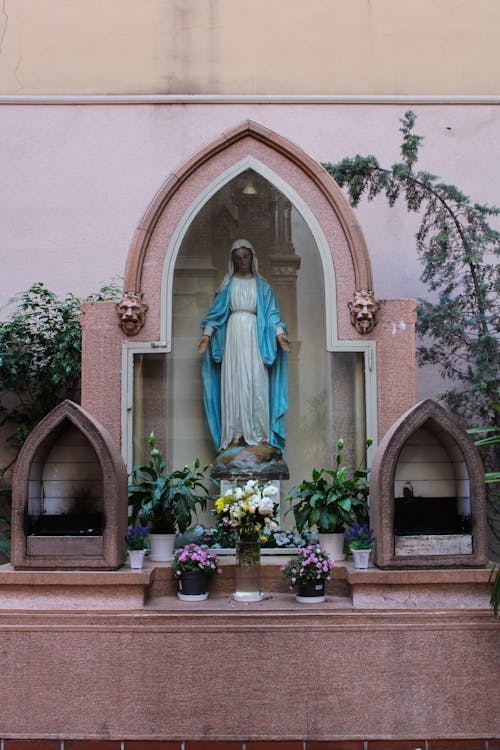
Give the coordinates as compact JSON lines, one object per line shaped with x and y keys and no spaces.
{"x":193,"y":586}
{"x":311,"y":592}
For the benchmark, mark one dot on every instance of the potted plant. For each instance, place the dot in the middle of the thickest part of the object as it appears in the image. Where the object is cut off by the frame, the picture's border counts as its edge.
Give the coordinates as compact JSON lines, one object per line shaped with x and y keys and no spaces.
{"x":165,"y":500}
{"x":192,"y":566}
{"x":309,"y":570}
{"x":136,"y":541}
{"x":331,"y":500}
{"x":360,"y":540}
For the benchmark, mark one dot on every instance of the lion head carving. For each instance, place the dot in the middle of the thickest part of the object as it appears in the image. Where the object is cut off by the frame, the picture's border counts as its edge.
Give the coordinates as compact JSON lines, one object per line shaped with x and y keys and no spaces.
{"x":364,"y":310}
{"x":131,"y":312}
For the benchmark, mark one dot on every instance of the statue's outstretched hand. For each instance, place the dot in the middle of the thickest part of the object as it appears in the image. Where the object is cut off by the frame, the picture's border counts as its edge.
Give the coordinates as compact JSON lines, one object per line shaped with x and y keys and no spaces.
{"x":203,"y":343}
{"x":284,"y":342}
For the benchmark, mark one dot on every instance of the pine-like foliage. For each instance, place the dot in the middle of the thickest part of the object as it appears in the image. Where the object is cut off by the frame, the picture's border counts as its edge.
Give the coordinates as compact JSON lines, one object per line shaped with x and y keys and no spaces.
{"x":458,"y":249}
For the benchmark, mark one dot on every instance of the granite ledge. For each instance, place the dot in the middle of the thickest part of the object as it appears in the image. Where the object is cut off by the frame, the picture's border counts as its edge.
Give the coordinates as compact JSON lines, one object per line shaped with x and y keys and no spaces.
{"x":95,"y":578}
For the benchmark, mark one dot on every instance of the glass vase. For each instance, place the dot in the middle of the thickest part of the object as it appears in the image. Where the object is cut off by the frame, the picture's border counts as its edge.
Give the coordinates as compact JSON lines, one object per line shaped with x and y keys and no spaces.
{"x":247,"y":570}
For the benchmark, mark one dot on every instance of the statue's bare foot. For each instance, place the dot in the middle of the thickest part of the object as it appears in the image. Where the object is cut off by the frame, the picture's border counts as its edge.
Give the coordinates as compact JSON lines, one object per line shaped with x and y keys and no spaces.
{"x":262,"y":452}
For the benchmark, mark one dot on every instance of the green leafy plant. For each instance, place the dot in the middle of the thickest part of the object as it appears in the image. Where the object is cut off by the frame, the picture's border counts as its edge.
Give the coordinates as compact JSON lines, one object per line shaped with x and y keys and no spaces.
{"x":490,"y":442}
{"x":494,"y":581}
{"x":457,"y":247}
{"x":166,"y":500}
{"x":40,"y":356}
{"x":332,"y":498}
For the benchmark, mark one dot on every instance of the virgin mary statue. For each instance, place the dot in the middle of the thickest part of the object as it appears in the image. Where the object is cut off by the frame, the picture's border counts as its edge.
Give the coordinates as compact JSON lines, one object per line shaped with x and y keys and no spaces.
{"x":244,"y":365}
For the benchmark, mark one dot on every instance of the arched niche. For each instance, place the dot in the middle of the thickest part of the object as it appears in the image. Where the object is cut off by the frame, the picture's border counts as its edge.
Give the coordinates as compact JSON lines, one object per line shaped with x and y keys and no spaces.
{"x":250,"y":200}
{"x":69,"y":495}
{"x":427,"y":495}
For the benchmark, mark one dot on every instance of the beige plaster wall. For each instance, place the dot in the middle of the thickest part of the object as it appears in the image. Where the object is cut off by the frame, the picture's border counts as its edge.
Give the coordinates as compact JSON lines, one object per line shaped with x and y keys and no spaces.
{"x":236,"y":46}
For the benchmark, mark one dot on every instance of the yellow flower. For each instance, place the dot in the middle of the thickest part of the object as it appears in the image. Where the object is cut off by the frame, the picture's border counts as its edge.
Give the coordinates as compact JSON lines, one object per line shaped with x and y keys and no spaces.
{"x":219,"y":504}
{"x":264,"y":538}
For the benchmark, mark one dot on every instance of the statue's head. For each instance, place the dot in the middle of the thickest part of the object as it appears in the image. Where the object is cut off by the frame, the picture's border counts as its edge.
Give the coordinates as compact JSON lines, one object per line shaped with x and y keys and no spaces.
{"x":131,"y":312}
{"x":240,"y":248}
{"x":364,"y":310}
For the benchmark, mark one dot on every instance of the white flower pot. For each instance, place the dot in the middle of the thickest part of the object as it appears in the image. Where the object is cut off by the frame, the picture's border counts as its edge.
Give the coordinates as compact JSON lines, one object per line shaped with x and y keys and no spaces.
{"x":136,"y":558}
{"x":361,"y":557}
{"x":162,"y":547}
{"x":333,"y":545}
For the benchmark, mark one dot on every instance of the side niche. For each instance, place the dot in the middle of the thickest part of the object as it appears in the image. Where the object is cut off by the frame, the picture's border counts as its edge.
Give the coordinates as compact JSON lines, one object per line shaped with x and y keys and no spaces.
{"x":69,"y":495}
{"x":427,"y":494}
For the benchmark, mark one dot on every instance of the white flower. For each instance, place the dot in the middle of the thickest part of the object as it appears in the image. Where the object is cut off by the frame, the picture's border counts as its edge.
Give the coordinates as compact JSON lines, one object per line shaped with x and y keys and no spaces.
{"x":250,"y":485}
{"x":266,"y":506}
{"x":273,"y":525}
{"x":270,"y":490}
{"x":238,"y":492}
{"x":227,"y":493}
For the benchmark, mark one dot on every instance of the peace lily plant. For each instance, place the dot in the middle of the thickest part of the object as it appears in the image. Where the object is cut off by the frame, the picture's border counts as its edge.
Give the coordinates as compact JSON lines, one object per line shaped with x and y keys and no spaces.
{"x":332,"y":498}
{"x":166,"y":500}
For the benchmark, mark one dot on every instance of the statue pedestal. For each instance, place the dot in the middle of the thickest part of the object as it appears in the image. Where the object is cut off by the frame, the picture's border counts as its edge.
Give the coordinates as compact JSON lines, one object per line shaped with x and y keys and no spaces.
{"x":261,"y":462}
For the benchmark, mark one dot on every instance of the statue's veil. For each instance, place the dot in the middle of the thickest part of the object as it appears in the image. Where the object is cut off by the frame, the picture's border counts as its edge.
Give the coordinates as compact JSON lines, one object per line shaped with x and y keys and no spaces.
{"x":237,"y":244}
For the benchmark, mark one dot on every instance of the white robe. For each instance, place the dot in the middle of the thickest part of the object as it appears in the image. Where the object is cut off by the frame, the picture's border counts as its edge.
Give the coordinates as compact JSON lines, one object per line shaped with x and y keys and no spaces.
{"x":244,"y":378}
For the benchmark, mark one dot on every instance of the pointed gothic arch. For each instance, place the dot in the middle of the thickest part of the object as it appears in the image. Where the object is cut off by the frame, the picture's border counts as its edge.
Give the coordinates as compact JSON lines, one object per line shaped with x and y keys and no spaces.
{"x":287,"y":154}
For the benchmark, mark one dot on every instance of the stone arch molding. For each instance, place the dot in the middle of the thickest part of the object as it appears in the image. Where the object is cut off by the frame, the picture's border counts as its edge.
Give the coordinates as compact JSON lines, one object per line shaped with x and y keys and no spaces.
{"x":219,"y":162}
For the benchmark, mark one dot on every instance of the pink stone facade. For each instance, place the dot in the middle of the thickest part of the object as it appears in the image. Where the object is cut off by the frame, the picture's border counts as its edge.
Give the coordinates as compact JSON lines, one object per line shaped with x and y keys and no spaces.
{"x":394,"y":659}
{"x":391,"y":655}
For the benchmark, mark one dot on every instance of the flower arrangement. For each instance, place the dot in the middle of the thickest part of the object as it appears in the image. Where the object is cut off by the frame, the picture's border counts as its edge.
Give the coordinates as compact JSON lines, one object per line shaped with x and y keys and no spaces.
{"x":359,"y":537}
{"x":136,"y":537}
{"x":249,"y":510}
{"x":310,"y":565}
{"x":195,"y":559}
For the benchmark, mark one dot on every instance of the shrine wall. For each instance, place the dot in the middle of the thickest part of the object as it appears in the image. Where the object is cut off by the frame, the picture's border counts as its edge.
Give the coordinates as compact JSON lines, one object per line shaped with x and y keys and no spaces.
{"x":192,"y":47}
{"x":80,"y":166}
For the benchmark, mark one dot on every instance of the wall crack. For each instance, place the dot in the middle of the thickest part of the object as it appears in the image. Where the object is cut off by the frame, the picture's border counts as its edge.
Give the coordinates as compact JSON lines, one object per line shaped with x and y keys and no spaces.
{"x":4,"y":30}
